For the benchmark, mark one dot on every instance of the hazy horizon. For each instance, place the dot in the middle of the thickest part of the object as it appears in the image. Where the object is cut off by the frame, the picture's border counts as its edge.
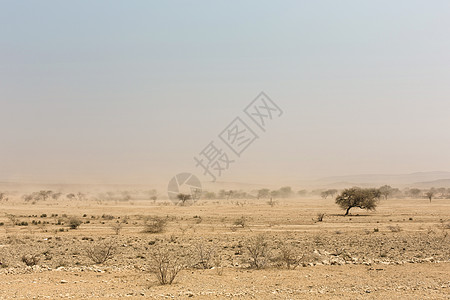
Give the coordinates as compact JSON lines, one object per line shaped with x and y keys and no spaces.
{"x":129,"y":92}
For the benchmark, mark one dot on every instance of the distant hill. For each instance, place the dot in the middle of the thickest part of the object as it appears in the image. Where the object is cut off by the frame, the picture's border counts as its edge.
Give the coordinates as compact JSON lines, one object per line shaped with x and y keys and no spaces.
{"x":419,"y":180}
{"x":412,"y":179}
{"x":435,"y":183}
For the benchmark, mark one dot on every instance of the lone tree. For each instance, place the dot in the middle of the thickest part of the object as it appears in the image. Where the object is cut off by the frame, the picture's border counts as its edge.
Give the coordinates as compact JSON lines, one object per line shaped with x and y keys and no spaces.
{"x":327,"y":193}
{"x":263,"y":193}
{"x":414,"y":192}
{"x":386,"y":191}
{"x":430,"y":194}
{"x":183,"y":198}
{"x":358,"y":197}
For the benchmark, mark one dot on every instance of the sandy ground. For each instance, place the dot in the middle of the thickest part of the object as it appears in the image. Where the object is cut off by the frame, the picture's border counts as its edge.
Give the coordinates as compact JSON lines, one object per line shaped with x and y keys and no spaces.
{"x":401,"y":251}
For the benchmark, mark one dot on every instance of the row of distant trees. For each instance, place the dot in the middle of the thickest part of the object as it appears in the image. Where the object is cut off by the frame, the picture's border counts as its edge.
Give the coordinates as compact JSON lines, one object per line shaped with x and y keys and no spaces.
{"x":44,"y":195}
{"x":386,"y":192}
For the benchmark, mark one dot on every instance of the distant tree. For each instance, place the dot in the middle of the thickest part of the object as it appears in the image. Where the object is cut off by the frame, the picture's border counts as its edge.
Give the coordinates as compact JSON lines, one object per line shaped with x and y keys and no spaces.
{"x":263,"y":193}
{"x":302,"y":193}
{"x":414,"y":192}
{"x":78,"y":196}
{"x":183,"y":198}
{"x":332,"y":192}
{"x":125,"y":196}
{"x":430,"y":194}
{"x":44,"y":195}
{"x":56,"y":195}
{"x":324,"y":194}
{"x":3,"y":197}
{"x":285,"y":192}
{"x":386,"y":191}
{"x":275,"y":193}
{"x":358,"y":197}
{"x":209,"y":195}
{"x":442,"y":191}
{"x":152,"y":193}
{"x":327,"y":193}
{"x":196,"y":194}
{"x":222,"y":194}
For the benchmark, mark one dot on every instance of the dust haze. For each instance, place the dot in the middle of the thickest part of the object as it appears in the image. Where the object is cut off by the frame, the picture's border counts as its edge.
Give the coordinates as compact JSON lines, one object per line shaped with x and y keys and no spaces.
{"x":209,"y":150}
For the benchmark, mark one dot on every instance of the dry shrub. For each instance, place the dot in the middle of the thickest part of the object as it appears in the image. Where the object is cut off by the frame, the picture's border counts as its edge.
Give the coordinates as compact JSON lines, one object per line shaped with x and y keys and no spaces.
{"x":395,"y":228}
{"x":102,"y":251}
{"x":320,"y":217}
{"x":290,"y":255}
{"x":117,"y":227}
{"x":259,"y":251}
{"x":166,"y":263}
{"x":204,"y":256}
{"x":272,"y":202}
{"x":155,"y":225}
{"x":31,"y":259}
{"x":241,"y":222}
{"x":74,"y":222}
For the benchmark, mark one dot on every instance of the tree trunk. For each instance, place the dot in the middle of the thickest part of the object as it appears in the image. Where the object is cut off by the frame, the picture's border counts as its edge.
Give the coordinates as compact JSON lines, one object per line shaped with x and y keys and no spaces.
{"x":346,"y":213}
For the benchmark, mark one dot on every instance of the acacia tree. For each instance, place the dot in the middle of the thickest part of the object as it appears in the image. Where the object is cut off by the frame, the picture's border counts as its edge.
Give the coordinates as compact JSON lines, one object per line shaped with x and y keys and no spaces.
{"x":414,"y":192}
{"x":358,"y":197}
{"x":386,"y":191}
{"x":327,"y":193}
{"x":183,"y":198}
{"x":263,"y":193}
{"x":430,"y":194}
{"x":285,"y":192}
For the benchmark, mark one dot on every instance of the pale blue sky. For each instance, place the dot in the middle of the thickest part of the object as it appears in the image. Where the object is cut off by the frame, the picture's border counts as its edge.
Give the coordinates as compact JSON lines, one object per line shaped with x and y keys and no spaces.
{"x":130,"y":91}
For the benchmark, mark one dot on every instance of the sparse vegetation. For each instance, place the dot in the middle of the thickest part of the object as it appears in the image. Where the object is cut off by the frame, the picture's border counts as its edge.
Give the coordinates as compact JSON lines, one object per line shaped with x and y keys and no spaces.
{"x":155,"y":225}
{"x":259,"y":251}
{"x":320,"y":217}
{"x":31,"y":259}
{"x":183,"y":198}
{"x":240,"y":222}
{"x":101,"y":251}
{"x":74,"y":222}
{"x":166,"y":263}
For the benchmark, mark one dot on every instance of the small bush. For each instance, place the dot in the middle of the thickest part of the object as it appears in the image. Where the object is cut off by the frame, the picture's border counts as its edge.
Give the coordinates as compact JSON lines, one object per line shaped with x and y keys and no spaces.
{"x":31,"y":260}
{"x":74,"y":222}
{"x":394,"y":228}
{"x":107,"y":217}
{"x":166,"y":263}
{"x":320,"y":217}
{"x":241,"y":222}
{"x":259,"y":251}
{"x":155,"y":225}
{"x":204,"y":256}
{"x":117,"y":227}
{"x":102,"y":251}
{"x":289,"y":255}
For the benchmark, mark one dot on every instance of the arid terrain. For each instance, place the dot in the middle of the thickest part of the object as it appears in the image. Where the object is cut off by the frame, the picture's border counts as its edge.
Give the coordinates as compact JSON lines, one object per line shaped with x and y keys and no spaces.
{"x":226,"y":249}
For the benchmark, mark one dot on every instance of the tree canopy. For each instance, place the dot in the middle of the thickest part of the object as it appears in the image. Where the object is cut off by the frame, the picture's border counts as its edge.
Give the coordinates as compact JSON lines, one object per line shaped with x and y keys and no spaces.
{"x":358,"y":197}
